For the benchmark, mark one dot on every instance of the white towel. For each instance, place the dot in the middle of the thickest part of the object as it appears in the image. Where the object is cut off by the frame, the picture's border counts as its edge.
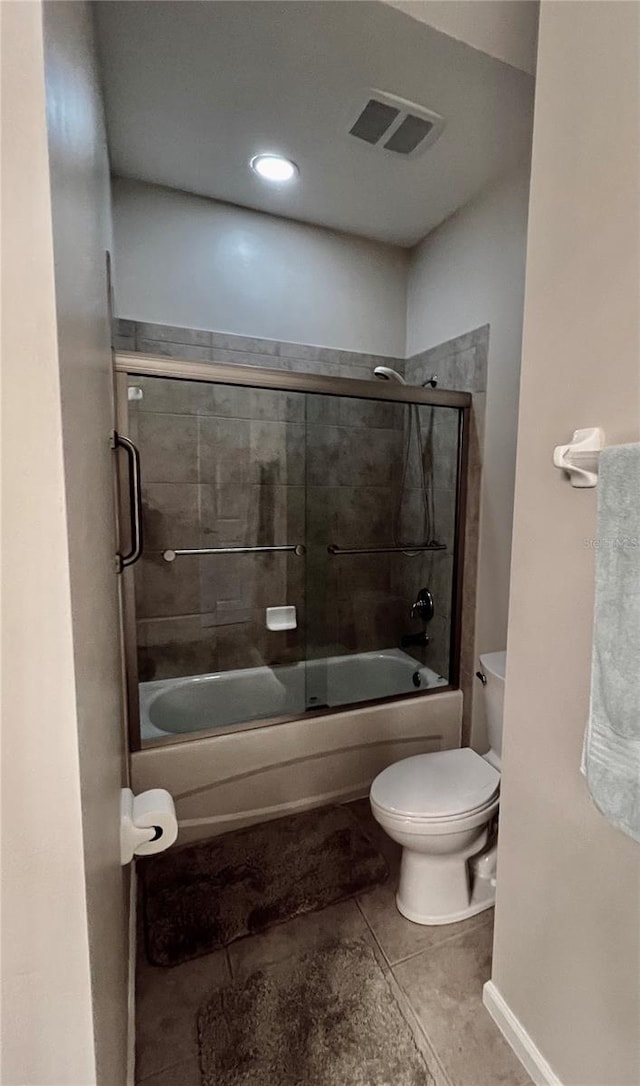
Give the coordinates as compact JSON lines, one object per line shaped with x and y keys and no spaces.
{"x":611,"y":754}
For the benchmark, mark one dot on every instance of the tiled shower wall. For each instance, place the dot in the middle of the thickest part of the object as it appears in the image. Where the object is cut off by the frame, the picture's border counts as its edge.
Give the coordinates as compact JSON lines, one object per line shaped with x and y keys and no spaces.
{"x":202,"y":346}
{"x":203,"y":614}
{"x":461,"y":365}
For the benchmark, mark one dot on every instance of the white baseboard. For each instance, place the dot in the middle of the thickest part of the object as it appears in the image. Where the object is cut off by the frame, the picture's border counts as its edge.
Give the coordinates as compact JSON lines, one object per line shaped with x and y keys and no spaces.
{"x":131,"y":983}
{"x":517,"y":1037}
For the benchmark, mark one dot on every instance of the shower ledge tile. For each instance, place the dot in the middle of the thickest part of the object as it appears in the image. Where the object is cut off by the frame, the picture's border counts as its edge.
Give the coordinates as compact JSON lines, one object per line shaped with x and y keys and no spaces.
{"x":368,"y":361}
{"x":168,"y":333}
{"x":302,"y":351}
{"x":248,"y":358}
{"x":187,"y":351}
{"x":311,"y":365}
{"x":247,"y":344}
{"x":123,"y":327}
{"x":123,"y":343}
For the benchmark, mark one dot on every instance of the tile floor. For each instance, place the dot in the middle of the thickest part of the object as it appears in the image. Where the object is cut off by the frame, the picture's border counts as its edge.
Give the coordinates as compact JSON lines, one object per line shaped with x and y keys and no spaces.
{"x":436,"y":974}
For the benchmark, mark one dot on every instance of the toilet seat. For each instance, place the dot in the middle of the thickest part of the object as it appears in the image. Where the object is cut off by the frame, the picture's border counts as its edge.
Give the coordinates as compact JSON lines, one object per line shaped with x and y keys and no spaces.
{"x":436,"y":788}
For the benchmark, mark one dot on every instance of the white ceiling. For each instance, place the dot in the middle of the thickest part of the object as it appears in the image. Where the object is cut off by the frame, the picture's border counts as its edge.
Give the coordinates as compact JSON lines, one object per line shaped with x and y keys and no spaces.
{"x":194,"y":90}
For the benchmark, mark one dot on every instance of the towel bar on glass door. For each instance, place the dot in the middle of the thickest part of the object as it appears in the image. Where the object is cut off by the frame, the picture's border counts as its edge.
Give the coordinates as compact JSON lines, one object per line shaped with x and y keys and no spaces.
{"x":333,"y":549}
{"x":171,"y":555}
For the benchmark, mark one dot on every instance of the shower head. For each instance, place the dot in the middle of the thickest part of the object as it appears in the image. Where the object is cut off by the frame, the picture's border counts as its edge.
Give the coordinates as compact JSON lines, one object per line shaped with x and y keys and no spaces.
{"x":385,"y":373}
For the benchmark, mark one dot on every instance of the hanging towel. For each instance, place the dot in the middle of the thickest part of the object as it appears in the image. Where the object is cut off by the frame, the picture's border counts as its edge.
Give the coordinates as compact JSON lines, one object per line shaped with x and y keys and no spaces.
{"x":611,"y":754}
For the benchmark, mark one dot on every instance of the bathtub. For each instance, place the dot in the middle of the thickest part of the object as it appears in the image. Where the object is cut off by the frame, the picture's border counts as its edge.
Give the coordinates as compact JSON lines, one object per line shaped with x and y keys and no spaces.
{"x":231,"y":700}
{"x":233,"y":775}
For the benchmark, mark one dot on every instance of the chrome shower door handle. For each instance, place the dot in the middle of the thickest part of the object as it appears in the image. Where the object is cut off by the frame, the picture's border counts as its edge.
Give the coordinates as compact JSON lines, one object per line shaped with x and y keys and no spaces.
{"x":135,"y":501}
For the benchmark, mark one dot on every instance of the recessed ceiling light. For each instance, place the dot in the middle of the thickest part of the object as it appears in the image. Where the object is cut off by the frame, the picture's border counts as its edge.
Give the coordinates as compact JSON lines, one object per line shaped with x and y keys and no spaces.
{"x":274,"y":167}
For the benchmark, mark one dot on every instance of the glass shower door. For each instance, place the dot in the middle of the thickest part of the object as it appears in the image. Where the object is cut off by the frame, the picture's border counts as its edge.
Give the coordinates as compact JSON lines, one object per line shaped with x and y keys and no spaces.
{"x":381,"y":499}
{"x":219,"y":594}
{"x":299,"y":552}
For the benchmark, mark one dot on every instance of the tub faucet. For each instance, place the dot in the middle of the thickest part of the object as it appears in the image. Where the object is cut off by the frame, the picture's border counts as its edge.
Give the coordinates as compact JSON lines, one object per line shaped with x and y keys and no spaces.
{"x":421,"y":638}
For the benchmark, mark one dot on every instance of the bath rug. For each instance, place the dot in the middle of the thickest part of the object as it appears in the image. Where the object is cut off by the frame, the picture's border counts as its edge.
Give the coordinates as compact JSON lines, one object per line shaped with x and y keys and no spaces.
{"x":328,"y":1019}
{"x":207,"y":895}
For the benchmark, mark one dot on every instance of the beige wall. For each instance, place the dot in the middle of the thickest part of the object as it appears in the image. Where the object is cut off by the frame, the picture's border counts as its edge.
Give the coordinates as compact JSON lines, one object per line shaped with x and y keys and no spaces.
{"x":506,"y":29}
{"x":567,"y":943}
{"x":47,"y":1029}
{"x":467,"y":273}
{"x":65,"y":910}
{"x":81,"y":234}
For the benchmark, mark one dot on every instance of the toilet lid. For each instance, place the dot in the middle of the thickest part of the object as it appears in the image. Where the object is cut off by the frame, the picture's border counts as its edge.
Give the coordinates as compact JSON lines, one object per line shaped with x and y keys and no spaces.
{"x":439,"y":785}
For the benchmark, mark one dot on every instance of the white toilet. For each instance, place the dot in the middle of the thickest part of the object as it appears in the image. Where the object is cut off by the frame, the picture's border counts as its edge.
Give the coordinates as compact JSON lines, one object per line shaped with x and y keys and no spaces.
{"x":440,"y":807}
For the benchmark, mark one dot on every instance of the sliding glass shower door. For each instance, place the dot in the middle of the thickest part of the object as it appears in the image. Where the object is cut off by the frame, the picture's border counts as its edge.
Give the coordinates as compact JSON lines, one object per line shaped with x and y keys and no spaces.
{"x":380,"y":525}
{"x":298,"y":551}
{"x":223,"y":500}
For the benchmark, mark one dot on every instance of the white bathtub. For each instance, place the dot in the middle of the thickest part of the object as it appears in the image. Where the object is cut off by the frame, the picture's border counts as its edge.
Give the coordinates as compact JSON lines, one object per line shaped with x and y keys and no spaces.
{"x":234,"y":776}
{"x":228,"y":701}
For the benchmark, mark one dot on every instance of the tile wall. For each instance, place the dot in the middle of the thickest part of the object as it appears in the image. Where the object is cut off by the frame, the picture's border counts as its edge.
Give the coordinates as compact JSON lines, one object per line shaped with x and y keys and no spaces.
{"x":202,"y":346}
{"x":461,"y":365}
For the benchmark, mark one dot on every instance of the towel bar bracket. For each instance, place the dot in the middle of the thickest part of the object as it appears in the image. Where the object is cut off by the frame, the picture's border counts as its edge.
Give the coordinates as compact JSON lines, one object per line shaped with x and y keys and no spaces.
{"x":580,"y":457}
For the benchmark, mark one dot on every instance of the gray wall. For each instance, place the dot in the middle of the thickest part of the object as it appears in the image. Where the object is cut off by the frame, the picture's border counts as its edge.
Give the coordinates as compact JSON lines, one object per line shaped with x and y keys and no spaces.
{"x":199,"y":263}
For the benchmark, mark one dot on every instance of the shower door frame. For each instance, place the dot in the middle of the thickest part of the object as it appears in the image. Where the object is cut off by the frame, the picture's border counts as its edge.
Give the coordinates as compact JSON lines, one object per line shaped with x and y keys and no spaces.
{"x":130,"y":364}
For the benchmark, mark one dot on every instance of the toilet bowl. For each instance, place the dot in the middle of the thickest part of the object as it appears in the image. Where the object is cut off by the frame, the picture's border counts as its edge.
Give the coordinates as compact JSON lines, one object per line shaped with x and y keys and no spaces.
{"x":441,"y":808}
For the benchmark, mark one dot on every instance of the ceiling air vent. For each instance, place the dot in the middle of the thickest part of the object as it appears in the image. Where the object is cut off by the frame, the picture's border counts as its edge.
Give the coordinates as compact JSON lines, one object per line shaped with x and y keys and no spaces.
{"x":392,"y":124}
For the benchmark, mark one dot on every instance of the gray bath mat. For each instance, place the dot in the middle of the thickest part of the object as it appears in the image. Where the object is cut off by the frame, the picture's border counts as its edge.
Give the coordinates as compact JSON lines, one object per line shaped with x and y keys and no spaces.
{"x":207,"y":895}
{"x":328,"y":1019}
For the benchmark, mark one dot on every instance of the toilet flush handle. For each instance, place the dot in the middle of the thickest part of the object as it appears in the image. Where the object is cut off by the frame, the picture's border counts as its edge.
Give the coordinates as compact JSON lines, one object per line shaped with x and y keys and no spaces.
{"x":483,"y":678}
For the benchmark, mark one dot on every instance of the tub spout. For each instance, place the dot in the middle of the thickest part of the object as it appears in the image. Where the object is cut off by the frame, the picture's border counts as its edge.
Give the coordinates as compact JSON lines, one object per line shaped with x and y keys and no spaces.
{"x":421,"y":638}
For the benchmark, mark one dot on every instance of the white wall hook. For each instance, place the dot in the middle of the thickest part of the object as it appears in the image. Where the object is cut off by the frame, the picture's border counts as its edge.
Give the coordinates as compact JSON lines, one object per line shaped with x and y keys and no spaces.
{"x":148,"y":823}
{"x":580,"y":457}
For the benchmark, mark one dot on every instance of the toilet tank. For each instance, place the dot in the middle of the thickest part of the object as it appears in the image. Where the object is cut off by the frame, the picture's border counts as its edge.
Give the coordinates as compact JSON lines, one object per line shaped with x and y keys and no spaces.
{"x":493,"y":666}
